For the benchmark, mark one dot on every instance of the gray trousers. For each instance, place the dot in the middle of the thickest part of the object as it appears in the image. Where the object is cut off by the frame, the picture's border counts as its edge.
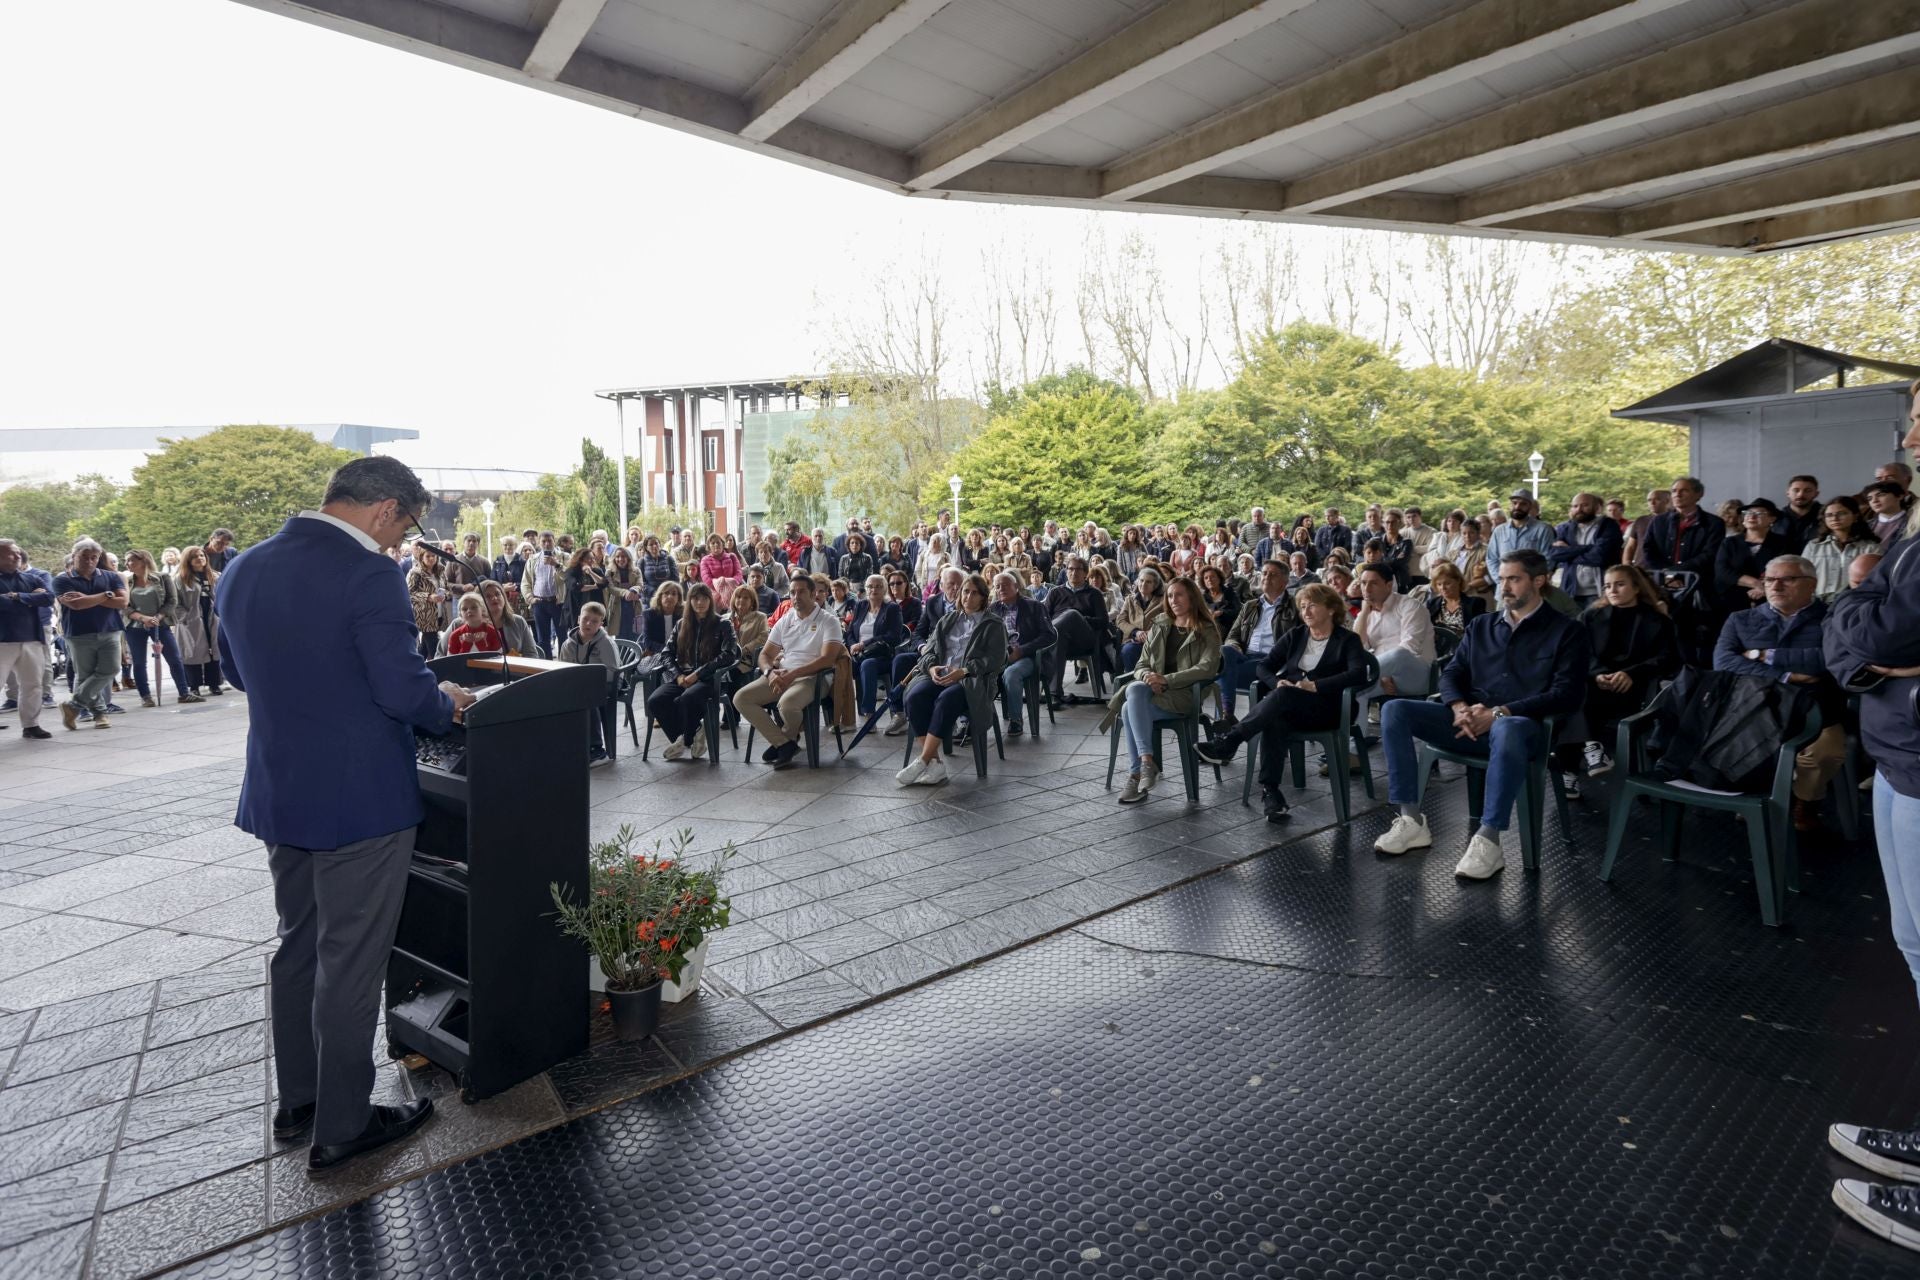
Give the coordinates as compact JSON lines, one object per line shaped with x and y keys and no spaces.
{"x":96,"y":665}
{"x":339,"y":909}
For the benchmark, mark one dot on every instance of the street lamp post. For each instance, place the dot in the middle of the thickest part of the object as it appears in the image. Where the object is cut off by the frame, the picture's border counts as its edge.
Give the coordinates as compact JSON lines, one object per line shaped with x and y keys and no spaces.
{"x":486,"y":509}
{"x":1534,"y":463}
{"x":953,"y":483}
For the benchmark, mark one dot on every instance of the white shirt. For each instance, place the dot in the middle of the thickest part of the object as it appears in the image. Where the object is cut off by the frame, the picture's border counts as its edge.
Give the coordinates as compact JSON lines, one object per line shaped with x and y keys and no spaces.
{"x":1401,"y":623}
{"x":866,"y":626}
{"x":801,"y":640}
{"x":1262,"y":638}
{"x":1311,"y":655}
{"x":360,"y":536}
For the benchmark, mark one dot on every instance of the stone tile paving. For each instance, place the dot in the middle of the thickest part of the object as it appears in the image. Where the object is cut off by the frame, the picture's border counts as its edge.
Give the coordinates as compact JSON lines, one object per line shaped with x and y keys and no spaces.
{"x":136,"y":923}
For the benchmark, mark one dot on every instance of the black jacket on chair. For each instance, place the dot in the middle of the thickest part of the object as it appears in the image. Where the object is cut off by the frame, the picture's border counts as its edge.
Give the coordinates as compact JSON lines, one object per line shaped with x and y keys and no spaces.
{"x":1640,"y":641}
{"x":1691,"y":552}
{"x":889,"y":630}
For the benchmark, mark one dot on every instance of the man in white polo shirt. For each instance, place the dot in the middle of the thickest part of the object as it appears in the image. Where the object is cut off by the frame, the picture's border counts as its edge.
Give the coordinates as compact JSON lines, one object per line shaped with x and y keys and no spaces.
{"x":1398,"y":631}
{"x":805,"y":642}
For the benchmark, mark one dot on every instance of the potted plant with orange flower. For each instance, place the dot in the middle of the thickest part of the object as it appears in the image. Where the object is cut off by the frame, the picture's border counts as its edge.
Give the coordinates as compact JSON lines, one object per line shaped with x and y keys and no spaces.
{"x":644,"y":918}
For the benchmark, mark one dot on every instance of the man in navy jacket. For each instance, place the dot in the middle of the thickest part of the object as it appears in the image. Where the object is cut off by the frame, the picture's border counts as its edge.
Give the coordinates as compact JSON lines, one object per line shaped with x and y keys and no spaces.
{"x":316,"y":628}
{"x":1583,"y":548}
{"x":1511,"y":670}
{"x":1028,"y":628}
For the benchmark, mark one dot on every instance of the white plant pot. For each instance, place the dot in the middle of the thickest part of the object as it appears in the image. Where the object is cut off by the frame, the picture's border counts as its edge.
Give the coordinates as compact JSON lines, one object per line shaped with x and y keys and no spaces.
{"x":675,"y":992}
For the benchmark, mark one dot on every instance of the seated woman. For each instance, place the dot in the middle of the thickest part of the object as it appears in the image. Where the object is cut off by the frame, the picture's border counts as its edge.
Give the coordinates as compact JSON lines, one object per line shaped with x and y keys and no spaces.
{"x":1016,"y":560}
{"x":874,"y":631}
{"x":701,"y":647}
{"x":589,"y":642}
{"x":1315,"y":665}
{"x":857,"y":564}
{"x":662,"y":615}
{"x":1143,"y":604}
{"x":772,"y":572}
{"x":968,"y":643}
{"x":1471,"y":560}
{"x":1448,"y":603}
{"x":1222,"y":601}
{"x":1180,"y":658}
{"x":719,"y":562}
{"x":1845,"y":537}
{"x":841,"y":601}
{"x":750,"y":628}
{"x":1634,"y":645}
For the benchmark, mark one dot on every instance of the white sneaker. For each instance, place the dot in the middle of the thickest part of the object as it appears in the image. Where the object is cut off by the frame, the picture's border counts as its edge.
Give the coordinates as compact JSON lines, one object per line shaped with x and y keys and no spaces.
{"x":1484,"y":857}
{"x":674,"y":751}
{"x":699,"y":748}
{"x":933,"y":775}
{"x":1598,"y":761}
{"x":1405,"y":833}
{"x":897,"y":725}
{"x":911,"y":774}
{"x":1570,"y":785}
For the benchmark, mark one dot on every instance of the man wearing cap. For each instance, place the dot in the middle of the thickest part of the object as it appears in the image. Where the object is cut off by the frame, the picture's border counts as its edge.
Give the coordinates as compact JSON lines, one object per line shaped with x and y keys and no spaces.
{"x":1523,"y":531}
{"x":1739,"y":569}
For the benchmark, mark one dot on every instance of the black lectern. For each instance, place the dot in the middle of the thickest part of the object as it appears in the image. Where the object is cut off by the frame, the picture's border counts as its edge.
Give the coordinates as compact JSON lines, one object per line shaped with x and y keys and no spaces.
{"x":480,"y":981}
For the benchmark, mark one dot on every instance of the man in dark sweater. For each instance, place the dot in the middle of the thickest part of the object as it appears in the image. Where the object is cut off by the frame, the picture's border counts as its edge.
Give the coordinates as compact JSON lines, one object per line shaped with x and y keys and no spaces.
{"x":1512,"y":670}
{"x":1079,"y":614}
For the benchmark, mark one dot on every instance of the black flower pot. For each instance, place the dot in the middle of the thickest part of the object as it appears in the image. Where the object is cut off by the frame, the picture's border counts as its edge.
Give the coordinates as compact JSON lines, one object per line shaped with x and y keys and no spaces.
{"x":635,"y":1013}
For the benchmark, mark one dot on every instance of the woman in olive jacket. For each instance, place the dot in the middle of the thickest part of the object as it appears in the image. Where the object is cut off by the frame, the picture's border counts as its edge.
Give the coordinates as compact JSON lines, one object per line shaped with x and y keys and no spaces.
{"x":153,"y":606}
{"x":958,"y":670}
{"x":1180,"y":657}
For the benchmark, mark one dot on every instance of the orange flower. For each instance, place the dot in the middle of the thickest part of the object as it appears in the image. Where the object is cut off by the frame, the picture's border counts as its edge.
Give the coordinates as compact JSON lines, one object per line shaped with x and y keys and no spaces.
{"x":643,"y":930}
{"x":668,"y":944}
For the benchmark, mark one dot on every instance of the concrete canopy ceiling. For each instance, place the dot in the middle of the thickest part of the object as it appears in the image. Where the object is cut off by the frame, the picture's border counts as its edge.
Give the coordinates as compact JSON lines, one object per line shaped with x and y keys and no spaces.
{"x":1703,"y":126}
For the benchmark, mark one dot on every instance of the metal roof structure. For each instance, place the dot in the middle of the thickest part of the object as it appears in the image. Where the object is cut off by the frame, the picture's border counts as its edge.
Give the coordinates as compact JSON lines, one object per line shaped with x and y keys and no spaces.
{"x":717,"y":389}
{"x":1770,"y":370}
{"x":1707,"y":126}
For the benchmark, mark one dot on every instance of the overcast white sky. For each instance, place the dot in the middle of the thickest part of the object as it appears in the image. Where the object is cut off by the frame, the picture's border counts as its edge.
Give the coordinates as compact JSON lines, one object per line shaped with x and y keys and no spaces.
{"x":217,"y":214}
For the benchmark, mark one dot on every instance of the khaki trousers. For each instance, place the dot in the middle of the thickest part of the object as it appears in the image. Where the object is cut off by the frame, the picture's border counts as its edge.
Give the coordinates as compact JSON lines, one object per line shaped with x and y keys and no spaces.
{"x":1818,"y":761}
{"x":752,"y":701}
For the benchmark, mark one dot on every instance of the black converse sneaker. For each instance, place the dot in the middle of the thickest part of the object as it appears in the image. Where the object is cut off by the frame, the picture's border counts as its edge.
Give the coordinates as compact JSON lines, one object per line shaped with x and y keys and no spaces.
{"x":1891,"y":1153}
{"x":1892,"y":1213}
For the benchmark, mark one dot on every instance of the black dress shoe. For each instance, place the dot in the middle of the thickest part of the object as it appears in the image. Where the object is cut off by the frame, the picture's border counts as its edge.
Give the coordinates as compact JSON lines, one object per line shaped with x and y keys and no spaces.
{"x":35,"y":731}
{"x":389,"y":1124}
{"x":291,"y":1122}
{"x":769,"y":755}
{"x":783,"y":755}
{"x":1276,"y":806}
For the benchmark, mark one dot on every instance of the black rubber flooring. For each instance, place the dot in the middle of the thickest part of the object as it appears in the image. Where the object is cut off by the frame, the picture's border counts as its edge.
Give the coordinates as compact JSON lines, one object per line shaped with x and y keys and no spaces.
{"x":1319,"y":1063}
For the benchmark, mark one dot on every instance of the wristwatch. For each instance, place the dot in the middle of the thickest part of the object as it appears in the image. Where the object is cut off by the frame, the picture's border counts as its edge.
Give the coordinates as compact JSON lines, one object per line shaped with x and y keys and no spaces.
{"x":1501,"y":713}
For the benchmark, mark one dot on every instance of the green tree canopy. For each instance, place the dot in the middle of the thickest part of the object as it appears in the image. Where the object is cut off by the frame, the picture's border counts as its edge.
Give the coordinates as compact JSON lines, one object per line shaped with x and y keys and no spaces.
{"x":46,"y":518}
{"x":1070,"y":456}
{"x":245,"y":478}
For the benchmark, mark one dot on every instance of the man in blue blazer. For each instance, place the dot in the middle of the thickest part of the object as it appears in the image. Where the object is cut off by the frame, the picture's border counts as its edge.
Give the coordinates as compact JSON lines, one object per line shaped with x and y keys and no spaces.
{"x":316,"y":628}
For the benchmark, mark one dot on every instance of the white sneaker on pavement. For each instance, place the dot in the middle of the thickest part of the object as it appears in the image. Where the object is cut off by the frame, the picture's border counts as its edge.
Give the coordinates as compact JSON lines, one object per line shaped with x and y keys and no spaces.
{"x":897,"y":725}
{"x":699,"y":748}
{"x":1598,"y":761}
{"x":911,"y":774}
{"x":1483,"y":858}
{"x":933,"y":775}
{"x":674,"y":751}
{"x":1405,"y":833}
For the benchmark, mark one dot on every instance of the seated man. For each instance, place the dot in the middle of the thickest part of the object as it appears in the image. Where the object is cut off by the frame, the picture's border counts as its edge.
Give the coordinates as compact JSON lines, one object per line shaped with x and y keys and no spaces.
{"x":1512,"y":669}
{"x":952,"y":578}
{"x":1255,"y":634}
{"x":1781,"y":639}
{"x":805,"y":642}
{"x":1028,"y":628}
{"x":1398,"y":631}
{"x":1079,"y":614}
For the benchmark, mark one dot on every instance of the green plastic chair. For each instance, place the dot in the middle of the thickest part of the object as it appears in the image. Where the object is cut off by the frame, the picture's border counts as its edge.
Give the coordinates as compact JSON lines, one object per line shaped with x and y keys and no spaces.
{"x":1769,"y":816}
{"x":1185,"y":732}
{"x":1334,"y":742}
{"x":1532,"y":801}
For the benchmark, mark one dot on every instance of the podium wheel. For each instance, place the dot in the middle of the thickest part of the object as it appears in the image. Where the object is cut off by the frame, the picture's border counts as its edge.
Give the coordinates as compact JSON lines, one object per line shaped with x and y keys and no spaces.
{"x":395,"y":1051}
{"x":467,"y":1094}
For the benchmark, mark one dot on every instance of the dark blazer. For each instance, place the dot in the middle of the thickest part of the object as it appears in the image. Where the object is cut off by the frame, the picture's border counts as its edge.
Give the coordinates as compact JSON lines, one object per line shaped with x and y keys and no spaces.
{"x":856,"y":567}
{"x":1737,"y":557}
{"x":1030,"y":626}
{"x":931,"y":611}
{"x":713,"y":648}
{"x":1691,"y":552}
{"x":1640,"y":641}
{"x":655,"y":629}
{"x":1598,"y":554}
{"x":910,"y":611}
{"x":1471,"y":607}
{"x":333,"y":694}
{"x":1342,"y":666}
{"x":800,"y":562}
{"x":1538,"y":670}
{"x":889,"y":629}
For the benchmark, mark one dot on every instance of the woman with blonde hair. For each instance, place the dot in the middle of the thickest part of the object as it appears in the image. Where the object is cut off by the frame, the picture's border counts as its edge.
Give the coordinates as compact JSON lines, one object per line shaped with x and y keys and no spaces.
{"x":427,"y":590}
{"x":153,"y":605}
{"x":195,"y":627}
{"x":663,"y":611}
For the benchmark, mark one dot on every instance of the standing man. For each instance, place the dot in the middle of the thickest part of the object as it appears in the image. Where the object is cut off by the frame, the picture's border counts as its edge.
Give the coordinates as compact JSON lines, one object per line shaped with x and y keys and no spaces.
{"x":1582,"y":549}
{"x":1256,"y":530}
{"x":333,"y":698}
{"x":91,"y":599}
{"x":1420,"y":533}
{"x":543,"y":584}
{"x":23,"y":637}
{"x":1800,"y":523}
{"x":1333,"y":533}
{"x":220,"y":550}
{"x":1523,"y":531}
{"x":1634,"y":550}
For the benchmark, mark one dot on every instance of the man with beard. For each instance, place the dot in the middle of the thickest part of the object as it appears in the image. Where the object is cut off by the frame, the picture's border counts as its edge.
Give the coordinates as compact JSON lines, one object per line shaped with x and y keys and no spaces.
{"x":1582,"y":549}
{"x":1523,"y":531}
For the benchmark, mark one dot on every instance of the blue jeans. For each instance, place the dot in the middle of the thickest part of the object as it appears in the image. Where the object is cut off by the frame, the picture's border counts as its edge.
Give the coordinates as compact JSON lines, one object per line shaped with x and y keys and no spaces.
{"x":1138,"y":715}
{"x":1013,"y":688}
{"x":1508,"y":746}
{"x":869,"y":676}
{"x":162,"y":637}
{"x":1129,"y":656}
{"x":549,"y":624}
{"x":1236,"y":673}
{"x":902,"y":663}
{"x":1409,"y":672}
{"x":1896,"y":828}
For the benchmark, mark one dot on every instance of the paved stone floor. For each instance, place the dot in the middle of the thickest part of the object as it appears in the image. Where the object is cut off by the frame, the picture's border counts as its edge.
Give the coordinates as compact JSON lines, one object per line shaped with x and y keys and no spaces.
{"x":135,"y":925}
